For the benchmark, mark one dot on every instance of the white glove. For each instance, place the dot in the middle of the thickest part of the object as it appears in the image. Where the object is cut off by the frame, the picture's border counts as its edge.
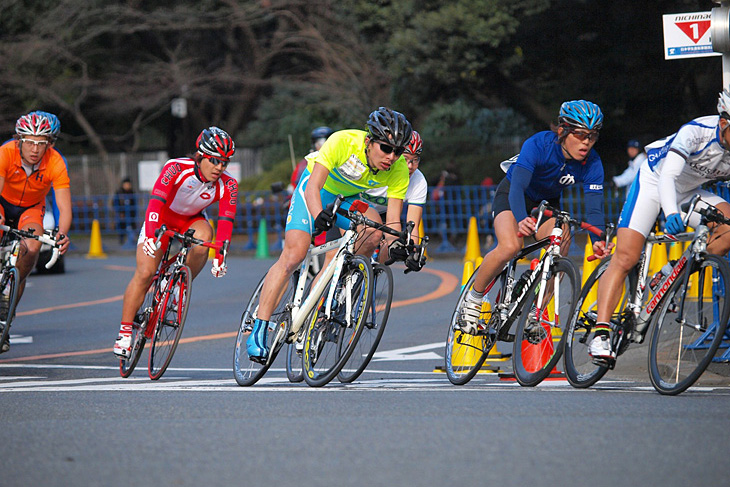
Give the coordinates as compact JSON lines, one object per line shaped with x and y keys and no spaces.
{"x":150,"y":246}
{"x":219,"y":268}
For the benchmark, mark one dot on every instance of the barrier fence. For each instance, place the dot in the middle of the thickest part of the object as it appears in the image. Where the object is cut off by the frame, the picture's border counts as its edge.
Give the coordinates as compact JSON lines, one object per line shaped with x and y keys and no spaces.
{"x":446,"y":214}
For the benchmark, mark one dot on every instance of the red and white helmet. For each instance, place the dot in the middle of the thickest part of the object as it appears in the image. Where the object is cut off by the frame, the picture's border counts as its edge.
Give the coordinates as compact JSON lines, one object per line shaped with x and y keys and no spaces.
{"x":415,"y":146}
{"x":216,"y":143}
{"x":34,"y":123}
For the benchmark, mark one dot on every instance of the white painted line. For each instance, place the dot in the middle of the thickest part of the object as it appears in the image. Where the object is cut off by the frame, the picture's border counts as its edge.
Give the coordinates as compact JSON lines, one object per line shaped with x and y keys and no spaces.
{"x":18,"y":339}
{"x":403,"y":354}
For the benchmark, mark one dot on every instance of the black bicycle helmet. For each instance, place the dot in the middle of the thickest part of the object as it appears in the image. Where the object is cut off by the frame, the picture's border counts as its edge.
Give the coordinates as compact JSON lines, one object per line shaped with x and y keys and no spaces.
{"x":389,"y":126}
{"x":216,"y":143}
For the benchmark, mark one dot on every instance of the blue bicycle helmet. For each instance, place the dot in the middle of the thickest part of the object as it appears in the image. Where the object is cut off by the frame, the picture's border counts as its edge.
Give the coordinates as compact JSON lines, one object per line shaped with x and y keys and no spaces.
{"x":581,"y":114}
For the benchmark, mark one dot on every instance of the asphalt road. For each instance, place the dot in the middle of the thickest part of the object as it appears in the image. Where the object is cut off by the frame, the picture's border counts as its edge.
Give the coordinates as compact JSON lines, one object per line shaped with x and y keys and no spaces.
{"x":67,"y":418}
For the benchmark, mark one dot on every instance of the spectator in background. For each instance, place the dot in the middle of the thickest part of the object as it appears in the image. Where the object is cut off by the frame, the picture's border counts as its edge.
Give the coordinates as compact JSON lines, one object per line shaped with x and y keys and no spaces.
{"x":636,"y":157}
{"x":125,"y":209}
{"x":319,"y":135}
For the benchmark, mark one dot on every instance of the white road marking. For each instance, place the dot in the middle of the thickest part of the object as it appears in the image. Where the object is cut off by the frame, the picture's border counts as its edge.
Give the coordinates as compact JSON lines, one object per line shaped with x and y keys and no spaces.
{"x":408,"y":353}
{"x":173,"y":383}
{"x":18,"y":339}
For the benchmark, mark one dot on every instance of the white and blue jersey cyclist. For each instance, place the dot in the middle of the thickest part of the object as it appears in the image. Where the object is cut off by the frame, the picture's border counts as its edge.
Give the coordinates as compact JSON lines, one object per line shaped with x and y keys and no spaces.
{"x":673,"y":172}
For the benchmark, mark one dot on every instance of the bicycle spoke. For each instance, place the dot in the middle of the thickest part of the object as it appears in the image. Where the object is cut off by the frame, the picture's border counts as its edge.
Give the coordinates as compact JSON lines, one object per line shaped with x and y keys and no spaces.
{"x":173,"y":310}
{"x":540,"y":329}
{"x":689,"y":327}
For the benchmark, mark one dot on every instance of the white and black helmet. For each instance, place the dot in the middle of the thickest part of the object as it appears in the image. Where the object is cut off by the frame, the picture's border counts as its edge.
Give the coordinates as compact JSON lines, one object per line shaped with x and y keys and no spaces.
{"x":389,"y":126}
{"x":723,"y":104}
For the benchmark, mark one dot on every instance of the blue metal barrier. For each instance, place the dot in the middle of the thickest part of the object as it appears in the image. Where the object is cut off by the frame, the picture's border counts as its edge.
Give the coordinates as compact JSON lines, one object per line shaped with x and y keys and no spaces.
{"x":446,"y":214}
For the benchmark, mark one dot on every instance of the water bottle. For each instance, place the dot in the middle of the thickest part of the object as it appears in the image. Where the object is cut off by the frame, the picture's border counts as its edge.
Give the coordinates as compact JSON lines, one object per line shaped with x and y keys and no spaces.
{"x":663,"y":272}
{"x":520,"y":284}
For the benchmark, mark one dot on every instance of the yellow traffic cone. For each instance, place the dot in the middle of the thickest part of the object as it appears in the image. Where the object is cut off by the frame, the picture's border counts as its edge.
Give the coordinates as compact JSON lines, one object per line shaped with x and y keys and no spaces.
{"x":473,"y":250}
{"x":95,"y":249}
{"x":588,"y":265}
{"x":422,"y":233}
{"x":212,"y":252}
{"x":675,"y":251}
{"x":468,"y":271}
{"x":658,"y":258}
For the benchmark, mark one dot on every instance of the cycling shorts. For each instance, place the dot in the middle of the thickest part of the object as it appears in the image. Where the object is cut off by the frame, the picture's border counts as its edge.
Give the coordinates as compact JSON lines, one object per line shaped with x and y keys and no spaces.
{"x":643,"y":205}
{"x":19,"y":216}
{"x":501,"y":200}
{"x":299,"y":217}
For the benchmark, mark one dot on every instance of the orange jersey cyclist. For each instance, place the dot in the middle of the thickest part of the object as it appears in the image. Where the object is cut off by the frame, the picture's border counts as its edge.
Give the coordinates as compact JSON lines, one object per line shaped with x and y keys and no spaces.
{"x":184,"y":189}
{"x":29,"y":166}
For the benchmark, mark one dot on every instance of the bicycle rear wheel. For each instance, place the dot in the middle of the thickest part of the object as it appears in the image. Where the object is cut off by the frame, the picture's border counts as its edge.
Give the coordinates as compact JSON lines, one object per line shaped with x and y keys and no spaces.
{"x":172,"y":311}
{"x":9,"y":282}
{"x":580,"y":370}
{"x":465,"y":353}
{"x":246,"y":371}
{"x":540,"y":333}
{"x":139,"y":324}
{"x":374,"y":326}
{"x":330,"y":341}
{"x":680,"y":351}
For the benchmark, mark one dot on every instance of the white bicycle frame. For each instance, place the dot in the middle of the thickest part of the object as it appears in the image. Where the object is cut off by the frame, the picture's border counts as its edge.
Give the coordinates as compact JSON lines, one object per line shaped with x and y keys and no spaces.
{"x":331,"y":274}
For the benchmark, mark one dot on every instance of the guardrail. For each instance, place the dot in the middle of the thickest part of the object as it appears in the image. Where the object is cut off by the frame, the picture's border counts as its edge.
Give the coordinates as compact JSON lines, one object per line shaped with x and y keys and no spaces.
{"x":446,"y":213}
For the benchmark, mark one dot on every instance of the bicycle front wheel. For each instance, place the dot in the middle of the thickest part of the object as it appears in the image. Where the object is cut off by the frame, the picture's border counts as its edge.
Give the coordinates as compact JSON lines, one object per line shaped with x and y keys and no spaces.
{"x":172,"y":311}
{"x":689,"y":325}
{"x":540,"y":333}
{"x":329,"y":342}
{"x":580,"y":370}
{"x":9,"y":282}
{"x":465,"y":353}
{"x":139,"y":324}
{"x":246,"y":371}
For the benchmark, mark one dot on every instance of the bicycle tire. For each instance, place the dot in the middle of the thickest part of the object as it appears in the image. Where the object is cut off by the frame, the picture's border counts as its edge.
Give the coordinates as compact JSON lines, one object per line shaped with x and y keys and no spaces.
{"x":465,"y":353}
{"x":579,"y":368}
{"x":324,"y":355}
{"x":678,"y":355}
{"x":246,"y":371}
{"x":534,"y":352}
{"x":171,"y":315}
{"x":9,"y":282}
{"x":374,"y":327}
{"x":294,"y":371}
{"x":139,"y":325}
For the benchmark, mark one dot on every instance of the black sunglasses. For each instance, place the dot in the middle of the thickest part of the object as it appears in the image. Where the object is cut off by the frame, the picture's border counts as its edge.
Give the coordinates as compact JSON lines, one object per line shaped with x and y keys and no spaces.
{"x":590,"y":135}
{"x":387,"y":148}
{"x":215,"y":161}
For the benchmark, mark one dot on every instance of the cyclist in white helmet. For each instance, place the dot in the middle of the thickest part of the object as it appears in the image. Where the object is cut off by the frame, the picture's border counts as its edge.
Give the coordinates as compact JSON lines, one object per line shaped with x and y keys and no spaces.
{"x":675,"y":168}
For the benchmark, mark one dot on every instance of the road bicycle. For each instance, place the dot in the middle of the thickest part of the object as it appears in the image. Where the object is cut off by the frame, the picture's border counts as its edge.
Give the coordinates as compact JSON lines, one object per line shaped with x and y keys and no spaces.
{"x":161,"y":317}
{"x":688,"y":310}
{"x":10,"y":247}
{"x":541,"y":302}
{"x":328,"y":323}
{"x":382,"y":298}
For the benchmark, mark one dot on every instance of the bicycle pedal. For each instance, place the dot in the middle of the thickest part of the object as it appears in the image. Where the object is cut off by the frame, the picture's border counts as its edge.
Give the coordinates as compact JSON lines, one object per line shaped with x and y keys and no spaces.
{"x":603,"y":362}
{"x":259,"y":360}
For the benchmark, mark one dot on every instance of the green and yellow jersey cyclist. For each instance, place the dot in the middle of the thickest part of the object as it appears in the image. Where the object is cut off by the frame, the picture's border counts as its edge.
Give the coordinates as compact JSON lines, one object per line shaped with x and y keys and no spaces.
{"x":349,"y":162}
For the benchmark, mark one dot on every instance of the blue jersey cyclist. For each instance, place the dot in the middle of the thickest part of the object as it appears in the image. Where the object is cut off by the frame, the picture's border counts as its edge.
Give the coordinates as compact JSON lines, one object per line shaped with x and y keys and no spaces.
{"x":349,"y":162}
{"x":549,"y":162}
